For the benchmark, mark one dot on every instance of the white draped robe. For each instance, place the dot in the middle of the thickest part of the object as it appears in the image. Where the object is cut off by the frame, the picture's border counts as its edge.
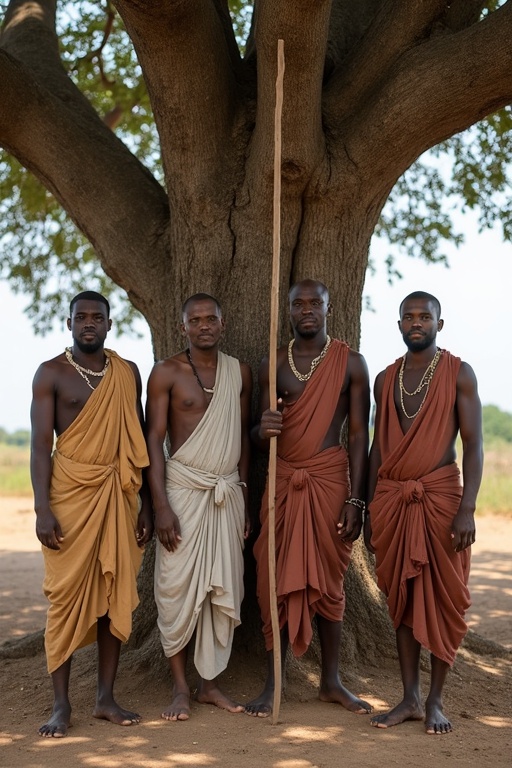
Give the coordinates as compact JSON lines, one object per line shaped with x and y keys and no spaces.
{"x":199,"y":586}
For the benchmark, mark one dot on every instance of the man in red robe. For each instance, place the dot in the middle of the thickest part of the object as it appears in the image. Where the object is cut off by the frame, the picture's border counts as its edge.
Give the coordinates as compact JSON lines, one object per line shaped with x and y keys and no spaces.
{"x":421,"y":520}
{"x":321,"y":384}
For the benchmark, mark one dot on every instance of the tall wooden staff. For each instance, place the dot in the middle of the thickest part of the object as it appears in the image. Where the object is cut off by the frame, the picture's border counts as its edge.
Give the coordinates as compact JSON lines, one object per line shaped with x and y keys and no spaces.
{"x":272,"y":380}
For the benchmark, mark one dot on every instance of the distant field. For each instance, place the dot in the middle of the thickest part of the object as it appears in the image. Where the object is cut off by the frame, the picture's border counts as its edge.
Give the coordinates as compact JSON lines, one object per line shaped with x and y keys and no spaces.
{"x":496,"y":490}
{"x":14,"y":471}
{"x":495,"y":493}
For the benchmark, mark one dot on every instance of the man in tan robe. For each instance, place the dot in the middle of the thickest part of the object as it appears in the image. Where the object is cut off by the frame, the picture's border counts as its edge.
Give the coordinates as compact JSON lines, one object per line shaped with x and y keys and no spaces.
{"x":87,"y":505}
{"x":321,"y":383}
{"x":421,"y":521}
{"x":200,"y":399}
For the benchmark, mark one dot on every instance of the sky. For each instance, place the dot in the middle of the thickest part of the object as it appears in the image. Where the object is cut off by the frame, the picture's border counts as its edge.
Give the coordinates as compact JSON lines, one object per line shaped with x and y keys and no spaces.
{"x":475,"y":295}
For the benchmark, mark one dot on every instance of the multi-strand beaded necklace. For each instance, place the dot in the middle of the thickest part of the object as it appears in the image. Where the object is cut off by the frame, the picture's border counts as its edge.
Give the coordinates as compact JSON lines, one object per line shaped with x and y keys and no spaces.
{"x":425,"y":382}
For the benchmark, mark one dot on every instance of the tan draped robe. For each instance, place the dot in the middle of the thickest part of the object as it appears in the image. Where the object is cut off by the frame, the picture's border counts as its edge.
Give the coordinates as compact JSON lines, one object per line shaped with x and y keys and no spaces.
{"x":96,"y":475}
{"x":200,"y":585}
{"x":311,"y":488}
{"x":423,"y":578}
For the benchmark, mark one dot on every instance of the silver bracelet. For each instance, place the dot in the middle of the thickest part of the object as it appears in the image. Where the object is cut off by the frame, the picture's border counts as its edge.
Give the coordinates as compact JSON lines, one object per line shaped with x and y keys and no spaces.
{"x":359,"y":503}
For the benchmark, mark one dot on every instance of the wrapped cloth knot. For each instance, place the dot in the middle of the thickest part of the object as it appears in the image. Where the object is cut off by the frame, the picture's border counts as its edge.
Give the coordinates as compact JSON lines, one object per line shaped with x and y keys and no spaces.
{"x":412,"y":491}
{"x":220,"y":490}
{"x":299,"y":479}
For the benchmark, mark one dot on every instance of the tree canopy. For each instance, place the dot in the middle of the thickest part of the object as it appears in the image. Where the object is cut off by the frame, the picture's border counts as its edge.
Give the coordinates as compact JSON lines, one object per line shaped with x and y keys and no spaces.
{"x":363,"y":55}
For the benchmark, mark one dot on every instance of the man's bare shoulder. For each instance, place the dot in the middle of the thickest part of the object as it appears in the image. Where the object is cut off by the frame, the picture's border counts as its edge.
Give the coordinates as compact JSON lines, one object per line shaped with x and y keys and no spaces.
{"x":466,"y":369}
{"x":355,"y":356}
{"x":466,"y":377}
{"x":55,"y":361}
{"x":357,"y":363}
{"x":169,"y":367}
{"x":52,"y":367}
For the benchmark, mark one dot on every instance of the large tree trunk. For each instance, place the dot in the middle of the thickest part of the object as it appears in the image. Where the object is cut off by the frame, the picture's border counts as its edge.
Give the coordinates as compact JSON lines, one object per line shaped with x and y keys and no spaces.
{"x":368,"y":87}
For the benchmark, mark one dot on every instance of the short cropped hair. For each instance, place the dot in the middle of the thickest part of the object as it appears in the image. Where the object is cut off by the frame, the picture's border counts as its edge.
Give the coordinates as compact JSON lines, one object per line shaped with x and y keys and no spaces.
{"x":422,"y":295}
{"x":89,"y":296}
{"x":322,"y":286}
{"x":199,"y":297}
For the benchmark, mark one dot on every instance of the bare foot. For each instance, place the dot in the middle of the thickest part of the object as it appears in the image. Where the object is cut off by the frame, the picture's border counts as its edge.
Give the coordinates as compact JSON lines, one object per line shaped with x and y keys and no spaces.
{"x":406,"y":710}
{"x":340,"y":695}
{"x":179,"y":708}
{"x":59,"y":722}
{"x":112,"y":712}
{"x":435,"y":721}
{"x":209,"y":693}
{"x":261,"y":706}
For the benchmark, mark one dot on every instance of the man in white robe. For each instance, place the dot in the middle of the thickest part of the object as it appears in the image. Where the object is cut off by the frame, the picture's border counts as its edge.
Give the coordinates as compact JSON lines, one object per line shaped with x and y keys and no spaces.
{"x":200,"y":399}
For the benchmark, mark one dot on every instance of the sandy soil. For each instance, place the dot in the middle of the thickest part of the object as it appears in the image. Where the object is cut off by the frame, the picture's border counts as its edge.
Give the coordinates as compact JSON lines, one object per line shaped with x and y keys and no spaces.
{"x":310,"y":735}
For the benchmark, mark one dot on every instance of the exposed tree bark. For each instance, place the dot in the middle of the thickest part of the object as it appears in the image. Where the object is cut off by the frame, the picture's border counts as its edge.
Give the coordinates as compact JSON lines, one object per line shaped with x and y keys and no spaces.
{"x":368,"y":87}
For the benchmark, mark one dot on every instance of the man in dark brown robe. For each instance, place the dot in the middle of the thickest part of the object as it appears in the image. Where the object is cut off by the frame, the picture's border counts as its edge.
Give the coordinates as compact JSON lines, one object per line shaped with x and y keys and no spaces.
{"x":421,"y":519}
{"x":321,"y":383}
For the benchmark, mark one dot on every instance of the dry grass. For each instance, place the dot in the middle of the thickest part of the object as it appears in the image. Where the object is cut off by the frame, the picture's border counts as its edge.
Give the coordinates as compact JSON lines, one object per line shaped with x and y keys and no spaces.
{"x":14,"y":471}
{"x":495,"y":495}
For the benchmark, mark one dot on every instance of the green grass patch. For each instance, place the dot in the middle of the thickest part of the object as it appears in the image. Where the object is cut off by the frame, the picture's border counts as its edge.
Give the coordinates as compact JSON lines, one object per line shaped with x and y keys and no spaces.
{"x":495,"y":495}
{"x":14,"y":471}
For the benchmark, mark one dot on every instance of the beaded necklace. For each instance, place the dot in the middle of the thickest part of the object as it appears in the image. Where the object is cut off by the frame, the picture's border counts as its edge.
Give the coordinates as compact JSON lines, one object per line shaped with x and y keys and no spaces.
{"x":424,"y":383}
{"x":85,"y":372}
{"x":314,"y":363}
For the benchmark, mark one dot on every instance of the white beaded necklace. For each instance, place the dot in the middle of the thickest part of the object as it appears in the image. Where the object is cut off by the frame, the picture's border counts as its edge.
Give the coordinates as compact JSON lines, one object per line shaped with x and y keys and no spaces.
{"x":85,"y":372}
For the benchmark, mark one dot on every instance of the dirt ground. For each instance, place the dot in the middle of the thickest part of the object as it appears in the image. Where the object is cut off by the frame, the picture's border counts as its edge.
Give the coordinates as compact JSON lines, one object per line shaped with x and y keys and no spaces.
{"x":310,"y":734}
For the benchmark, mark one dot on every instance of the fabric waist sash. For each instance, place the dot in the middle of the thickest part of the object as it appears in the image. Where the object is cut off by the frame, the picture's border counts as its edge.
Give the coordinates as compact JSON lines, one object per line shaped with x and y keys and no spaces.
{"x":184,"y":476}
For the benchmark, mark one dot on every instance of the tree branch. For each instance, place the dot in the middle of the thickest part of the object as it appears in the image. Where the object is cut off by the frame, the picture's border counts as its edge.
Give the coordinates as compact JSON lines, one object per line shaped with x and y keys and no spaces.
{"x":439,"y":88}
{"x":187,"y":63}
{"x":304,"y":26}
{"x":60,"y":138}
{"x":348,"y":24}
{"x":229,"y":34}
{"x":462,"y":13}
{"x":27,"y":24}
{"x":29,"y":35}
{"x":396,"y":26}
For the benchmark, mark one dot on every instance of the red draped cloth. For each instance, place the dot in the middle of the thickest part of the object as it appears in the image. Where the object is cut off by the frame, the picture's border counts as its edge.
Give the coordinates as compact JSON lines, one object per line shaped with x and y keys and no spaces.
{"x":424,"y":579}
{"x":311,"y":488}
